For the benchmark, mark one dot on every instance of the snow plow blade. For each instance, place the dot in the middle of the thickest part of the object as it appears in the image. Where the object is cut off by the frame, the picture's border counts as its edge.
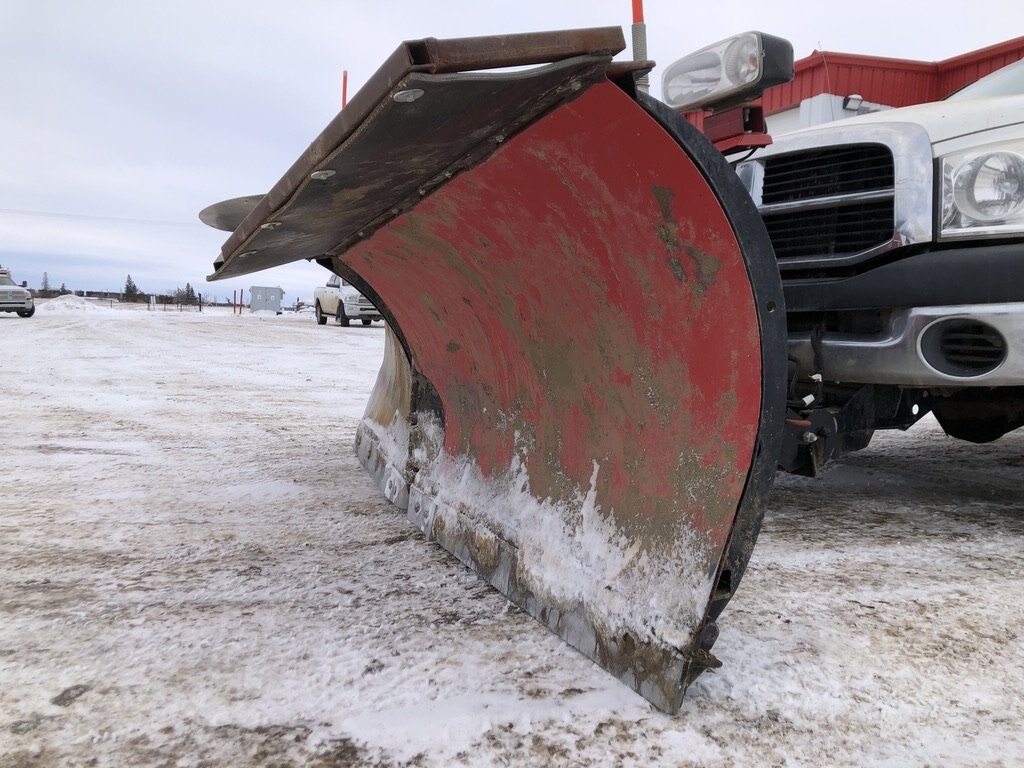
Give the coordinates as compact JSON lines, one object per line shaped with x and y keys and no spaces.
{"x":583,"y":388}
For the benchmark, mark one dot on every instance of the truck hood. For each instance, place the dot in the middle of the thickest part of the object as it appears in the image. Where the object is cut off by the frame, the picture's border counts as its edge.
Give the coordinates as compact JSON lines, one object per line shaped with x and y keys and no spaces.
{"x":944,"y":120}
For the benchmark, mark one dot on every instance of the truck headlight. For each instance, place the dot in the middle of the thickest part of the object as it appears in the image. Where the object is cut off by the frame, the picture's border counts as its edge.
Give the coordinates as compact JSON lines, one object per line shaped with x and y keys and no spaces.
{"x":983,"y":191}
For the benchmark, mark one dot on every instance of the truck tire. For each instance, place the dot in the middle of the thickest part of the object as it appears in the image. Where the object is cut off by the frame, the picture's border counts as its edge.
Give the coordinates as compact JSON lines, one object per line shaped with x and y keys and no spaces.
{"x":366,"y":321}
{"x":340,"y":315}
{"x":321,"y":318}
{"x":26,"y":312}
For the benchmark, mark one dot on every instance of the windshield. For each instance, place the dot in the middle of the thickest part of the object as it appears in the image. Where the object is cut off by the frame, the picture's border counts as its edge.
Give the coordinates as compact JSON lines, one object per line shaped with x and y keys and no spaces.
{"x":1008,"y":81}
{"x":5,"y":280}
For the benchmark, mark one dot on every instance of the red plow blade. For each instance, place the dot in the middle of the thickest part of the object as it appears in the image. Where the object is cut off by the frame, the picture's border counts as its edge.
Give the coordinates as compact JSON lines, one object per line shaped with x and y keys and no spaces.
{"x":582,"y":393}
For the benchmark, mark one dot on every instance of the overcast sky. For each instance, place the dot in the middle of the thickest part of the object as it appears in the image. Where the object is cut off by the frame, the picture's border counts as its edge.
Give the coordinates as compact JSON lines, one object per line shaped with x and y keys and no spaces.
{"x":119,"y":121}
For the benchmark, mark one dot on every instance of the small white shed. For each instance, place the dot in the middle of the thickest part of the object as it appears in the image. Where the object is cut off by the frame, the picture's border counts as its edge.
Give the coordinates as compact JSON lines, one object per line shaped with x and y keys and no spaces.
{"x":264,"y":298}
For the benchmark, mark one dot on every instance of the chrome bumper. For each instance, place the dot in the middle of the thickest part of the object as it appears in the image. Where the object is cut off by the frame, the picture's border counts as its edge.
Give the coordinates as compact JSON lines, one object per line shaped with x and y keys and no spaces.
{"x":896,"y":357}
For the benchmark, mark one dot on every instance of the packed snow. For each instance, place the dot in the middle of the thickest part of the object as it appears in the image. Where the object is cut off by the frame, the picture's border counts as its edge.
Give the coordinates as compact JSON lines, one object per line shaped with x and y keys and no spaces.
{"x":71,"y":303}
{"x":570,"y":553}
{"x":195,"y":570}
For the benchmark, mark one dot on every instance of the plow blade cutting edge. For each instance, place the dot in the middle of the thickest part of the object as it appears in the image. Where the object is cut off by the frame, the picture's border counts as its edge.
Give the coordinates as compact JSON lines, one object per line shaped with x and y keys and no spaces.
{"x":583,"y":386}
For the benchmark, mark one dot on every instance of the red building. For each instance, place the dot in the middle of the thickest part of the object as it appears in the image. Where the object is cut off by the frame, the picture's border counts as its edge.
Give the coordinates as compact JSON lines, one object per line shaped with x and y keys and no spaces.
{"x":824,"y":82}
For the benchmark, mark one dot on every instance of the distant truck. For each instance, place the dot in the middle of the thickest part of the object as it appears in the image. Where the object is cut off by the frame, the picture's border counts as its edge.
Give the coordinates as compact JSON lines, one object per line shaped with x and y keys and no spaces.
{"x":340,"y":300}
{"x":14,"y":297}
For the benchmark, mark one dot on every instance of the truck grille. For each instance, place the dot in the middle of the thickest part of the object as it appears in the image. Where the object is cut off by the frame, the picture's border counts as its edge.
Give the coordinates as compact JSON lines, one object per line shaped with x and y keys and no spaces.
{"x":834,"y":231}
{"x":830,"y":202}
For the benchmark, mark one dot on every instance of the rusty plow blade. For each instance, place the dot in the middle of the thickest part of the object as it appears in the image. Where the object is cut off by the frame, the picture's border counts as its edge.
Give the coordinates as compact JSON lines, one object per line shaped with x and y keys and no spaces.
{"x":583,"y":385}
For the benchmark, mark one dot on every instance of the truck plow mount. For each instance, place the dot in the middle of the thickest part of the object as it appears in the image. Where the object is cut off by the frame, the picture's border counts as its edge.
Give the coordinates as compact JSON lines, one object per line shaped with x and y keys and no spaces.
{"x":583,"y":388}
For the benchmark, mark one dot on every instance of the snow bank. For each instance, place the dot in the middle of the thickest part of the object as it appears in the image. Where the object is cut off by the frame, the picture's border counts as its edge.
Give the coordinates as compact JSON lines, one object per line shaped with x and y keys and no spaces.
{"x":70,"y":303}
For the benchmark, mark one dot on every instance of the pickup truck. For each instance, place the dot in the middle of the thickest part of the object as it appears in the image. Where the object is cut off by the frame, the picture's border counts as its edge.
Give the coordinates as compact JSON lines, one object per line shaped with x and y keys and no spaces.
{"x":340,"y":300}
{"x":899,"y":236}
{"x":14,"y":297}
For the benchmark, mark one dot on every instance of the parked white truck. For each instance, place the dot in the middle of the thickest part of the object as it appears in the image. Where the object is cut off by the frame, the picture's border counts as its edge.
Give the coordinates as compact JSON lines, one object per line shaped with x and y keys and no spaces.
{"x":340,"y":299}
{"x":900,"y":239}
{"x":14,"y":297}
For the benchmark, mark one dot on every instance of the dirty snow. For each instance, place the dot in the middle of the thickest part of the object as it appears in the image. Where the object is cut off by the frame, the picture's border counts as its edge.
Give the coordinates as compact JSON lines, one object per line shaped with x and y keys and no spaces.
{"x":570,"y":552}
{"x":194,"y":570}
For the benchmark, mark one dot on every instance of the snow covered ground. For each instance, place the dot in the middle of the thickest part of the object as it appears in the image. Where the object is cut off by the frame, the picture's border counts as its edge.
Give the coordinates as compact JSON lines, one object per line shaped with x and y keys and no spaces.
{"x":195,"y":571}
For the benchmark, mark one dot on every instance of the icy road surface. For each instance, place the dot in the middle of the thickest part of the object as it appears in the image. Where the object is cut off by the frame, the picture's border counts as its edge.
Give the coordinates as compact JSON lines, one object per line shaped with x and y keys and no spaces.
{"x":195,"y":571}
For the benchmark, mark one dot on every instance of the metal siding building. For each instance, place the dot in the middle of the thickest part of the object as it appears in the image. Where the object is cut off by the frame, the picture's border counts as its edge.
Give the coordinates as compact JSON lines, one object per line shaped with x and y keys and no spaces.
{"x":265,"y":298}
{"x":879,"y":80}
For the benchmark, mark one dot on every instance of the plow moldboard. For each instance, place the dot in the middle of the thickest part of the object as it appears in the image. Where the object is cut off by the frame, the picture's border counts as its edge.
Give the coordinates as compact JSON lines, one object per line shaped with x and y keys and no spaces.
{"x":581,"y":399}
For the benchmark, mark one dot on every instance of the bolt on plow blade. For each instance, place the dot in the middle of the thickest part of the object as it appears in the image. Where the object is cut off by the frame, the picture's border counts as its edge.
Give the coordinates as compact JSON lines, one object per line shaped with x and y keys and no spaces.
{"x":583,"y":385}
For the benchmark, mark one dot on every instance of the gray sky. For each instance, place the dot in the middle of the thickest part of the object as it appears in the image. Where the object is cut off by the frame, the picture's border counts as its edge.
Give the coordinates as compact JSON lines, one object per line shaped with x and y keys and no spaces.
{"x":121,"y":120}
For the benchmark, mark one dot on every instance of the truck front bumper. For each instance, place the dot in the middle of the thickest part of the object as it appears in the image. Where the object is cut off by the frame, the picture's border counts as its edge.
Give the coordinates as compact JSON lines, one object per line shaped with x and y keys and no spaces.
{"x":954,"y":317}
{"x":17,"y":306}
{"x":969,"y":345}
{"x":990,"y":274}
{"x":363,"y":310}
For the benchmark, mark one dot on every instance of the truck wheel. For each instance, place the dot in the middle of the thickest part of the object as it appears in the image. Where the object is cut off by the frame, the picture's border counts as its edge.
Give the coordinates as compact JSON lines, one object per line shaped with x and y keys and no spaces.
{"x":26,"y":312}
{"x":321,"y":318}
{"x":366,"y":321}
{"x":340,"y":316}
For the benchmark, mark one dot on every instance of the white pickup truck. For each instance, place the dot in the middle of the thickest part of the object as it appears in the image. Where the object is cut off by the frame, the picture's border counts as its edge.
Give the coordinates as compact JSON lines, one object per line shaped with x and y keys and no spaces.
{"x":900,"y":240}
{"x":14,"y":297}
{"x":340,"y":300}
